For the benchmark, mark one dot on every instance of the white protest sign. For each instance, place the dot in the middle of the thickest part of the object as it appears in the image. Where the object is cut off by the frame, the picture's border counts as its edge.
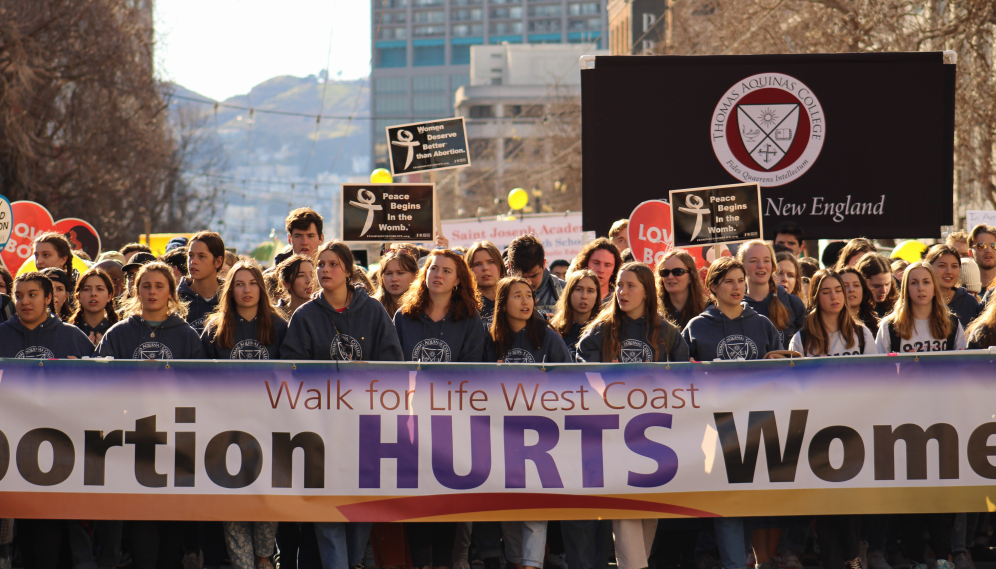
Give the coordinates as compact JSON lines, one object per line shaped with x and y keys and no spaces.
{"x":560,"y":233}
{"x":975,"y":217}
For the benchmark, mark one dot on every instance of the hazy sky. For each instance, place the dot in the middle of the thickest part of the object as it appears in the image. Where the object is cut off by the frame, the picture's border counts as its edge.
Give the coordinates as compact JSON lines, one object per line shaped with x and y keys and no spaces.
{"x":221,"y":48}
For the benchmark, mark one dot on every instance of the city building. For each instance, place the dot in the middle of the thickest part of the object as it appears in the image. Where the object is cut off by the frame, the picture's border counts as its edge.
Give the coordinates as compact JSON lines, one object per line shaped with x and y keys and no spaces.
{"x":636,"y":26}
{"x":422,"y":49}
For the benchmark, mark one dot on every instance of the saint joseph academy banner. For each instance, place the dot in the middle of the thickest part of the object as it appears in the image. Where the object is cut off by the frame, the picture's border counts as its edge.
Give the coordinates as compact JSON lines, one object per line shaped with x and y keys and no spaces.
{"x":391,"y":442}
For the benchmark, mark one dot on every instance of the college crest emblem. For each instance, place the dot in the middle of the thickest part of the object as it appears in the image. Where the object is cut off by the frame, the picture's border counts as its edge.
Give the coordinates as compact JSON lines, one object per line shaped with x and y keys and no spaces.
{"x":431,"y":350}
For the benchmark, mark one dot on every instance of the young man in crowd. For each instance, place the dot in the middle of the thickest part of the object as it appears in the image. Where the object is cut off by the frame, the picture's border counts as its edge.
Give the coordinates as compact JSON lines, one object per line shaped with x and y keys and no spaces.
{"x":619,"y":234}
{"x":983,"y":241}
{"x":559,"y":268}
{"x":304,"y":231}
{"x":115,"y":270}
{"x":789,"y":235}
{"x":602,"y":257}
{"x":130,"y":249}
{"x":959,"y":242}
{"x":527,"y":259}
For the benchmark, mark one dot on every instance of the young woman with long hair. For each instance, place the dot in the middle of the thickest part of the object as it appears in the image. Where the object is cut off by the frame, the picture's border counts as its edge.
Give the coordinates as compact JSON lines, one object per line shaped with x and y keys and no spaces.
{"x":789,"y":273}
{"x":768,"y":299}
{"x":245,"y":326}
{"x":153,"y":325}
{"x":62,"y":287}
{"x":680,"y":294}
{"x":296,"y":275}
{"x":578,"y":306}
{"x":631,"y":329}
{"x":439,"y":319}
{"x":342,"y":323}
{"x":853,"y":251}
{"x":52,"y":249}
{"x":95,"y":312}
{"x":485,"y":261}
{"x":859,"y":296}
{"x":519,"y":334}
{"x":920,"y":321}
{"x":831,"y":328}
{"x":947,"y":264}
{"x":882,"y":283}
{"x":34,"y":331}
{"x":395,"y":275}
{"x":199,"y":290}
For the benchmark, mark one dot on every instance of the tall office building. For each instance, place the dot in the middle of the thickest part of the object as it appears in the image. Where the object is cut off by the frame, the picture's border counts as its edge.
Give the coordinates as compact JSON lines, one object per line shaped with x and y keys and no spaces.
{"x":421,"y":49}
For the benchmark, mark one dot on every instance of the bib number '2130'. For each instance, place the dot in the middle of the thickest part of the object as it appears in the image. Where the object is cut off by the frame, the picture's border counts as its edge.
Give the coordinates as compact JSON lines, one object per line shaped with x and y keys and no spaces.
{"x":928,"y":346}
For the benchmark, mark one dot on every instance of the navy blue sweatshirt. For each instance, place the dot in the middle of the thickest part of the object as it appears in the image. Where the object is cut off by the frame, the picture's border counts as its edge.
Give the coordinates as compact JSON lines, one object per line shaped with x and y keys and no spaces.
{"x":246,"y":347}
{"x":487,"y":313}
{"x":633,"y":343}
{"x":553,"y":350}
{"x":443,"y":341}
{"x":713,"y":336}
{"x":101,"y":328}
{"x":964,"y":306}
{"x":132,"y":339}
{"x":197,"y":306}
{"x":572,"y":338}
{"x":53,"y":338}
{"x":361,"y":332}
{"x":792,"y":303}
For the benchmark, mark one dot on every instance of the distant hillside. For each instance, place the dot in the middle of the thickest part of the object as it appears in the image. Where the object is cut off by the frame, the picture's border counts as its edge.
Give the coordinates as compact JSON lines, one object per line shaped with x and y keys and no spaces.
{"x":280,"y":144}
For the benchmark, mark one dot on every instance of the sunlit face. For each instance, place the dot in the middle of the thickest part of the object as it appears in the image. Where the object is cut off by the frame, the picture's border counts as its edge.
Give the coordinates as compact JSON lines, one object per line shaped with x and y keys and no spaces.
{"x":331,"y":274}
{"x":441,"y":278}
{"x":94,"y":296}
{"x":852,"y":288}
{"x":396,"y":278}
{"x":786,"y":276}
{"x":631,"y":294}
{"x":920,"y":287}
{"x":46,"y":256}
{"x":584,"y":296}
{"x":759,"y":264}
{"x":154,"y":292}
{"x":31,"y":303}
{"x":621,"y":241}
{"x":730,"y":290}
{"x":790,"y":241}
{"x":985,"y":255}
{"x":3,"y":287}
{"x":673,"y":283}
{"x":485,"y":270}
{"x":602,"y":263}
{"x":948,"y":269}
{"x":534,"y":276}
{"x":961,"y":247}
{"x":201,"y":264}
{"x":305,"y":241}
{"x":59,"y":290}
{"x":520,"y":304}
{"x":302,"y":284}
{"x":246,"y":289}
{"x":880,"y":286}
{"x":831,"y":296}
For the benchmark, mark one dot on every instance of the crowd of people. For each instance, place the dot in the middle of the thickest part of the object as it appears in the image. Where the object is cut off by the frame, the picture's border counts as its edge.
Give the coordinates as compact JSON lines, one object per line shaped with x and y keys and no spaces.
{"x":485,"y":304}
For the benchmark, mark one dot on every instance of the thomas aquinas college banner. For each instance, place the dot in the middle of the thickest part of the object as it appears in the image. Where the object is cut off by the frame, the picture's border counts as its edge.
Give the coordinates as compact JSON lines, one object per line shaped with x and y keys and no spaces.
{"x":281,"y":441}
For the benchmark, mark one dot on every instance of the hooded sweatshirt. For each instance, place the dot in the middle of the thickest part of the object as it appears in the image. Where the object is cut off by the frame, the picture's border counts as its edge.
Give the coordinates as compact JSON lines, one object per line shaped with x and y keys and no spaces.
{"x":964,"y":306}
{"x":197,"y":306}
{"x":487,"y":313}
{"x":101,"y":328}
{"x":553,"y":350}
{"x":53,"y":338}
{"x":361,"y":332}
{"x":792,"y":303}
{"x":132,"y":339}
{"x":634,"y":346}
{"x":444,"y":341}
{"x":572,"y":338}
{"x":547,"y":294}
{"x":713,"y":336}
{"x":246,"y":347}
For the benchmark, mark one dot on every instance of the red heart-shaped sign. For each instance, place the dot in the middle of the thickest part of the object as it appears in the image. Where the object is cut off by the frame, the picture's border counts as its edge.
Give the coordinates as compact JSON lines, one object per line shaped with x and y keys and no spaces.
{"x":31,"y":220}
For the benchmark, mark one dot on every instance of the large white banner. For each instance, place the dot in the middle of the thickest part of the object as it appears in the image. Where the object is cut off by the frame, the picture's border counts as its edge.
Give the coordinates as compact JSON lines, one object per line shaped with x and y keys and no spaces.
{"x":560,"y":232}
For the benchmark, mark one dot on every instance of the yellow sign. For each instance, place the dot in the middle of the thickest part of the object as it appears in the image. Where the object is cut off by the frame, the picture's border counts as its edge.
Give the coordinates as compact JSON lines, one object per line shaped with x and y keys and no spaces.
{"x":159,"y":241}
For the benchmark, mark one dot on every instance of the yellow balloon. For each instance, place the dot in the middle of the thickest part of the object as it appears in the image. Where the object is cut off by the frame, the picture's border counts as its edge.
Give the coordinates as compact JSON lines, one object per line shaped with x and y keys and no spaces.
{"x":381,"y":176}
{"x":517,"y":199}
{"x":29,"y":265}
{"x":909,"y":251}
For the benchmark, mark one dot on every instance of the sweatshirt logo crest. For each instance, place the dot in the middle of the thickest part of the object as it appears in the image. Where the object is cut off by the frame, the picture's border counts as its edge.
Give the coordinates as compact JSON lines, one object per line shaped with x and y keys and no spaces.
{"x":198,"y":324}
{"x":634,"y":351}
{"x":152,"y":351}
{"x":737,"y":347}
{"x":518,"y":356}
{"x":250,"y":350}
{"x":346,"y":348}
{"x":431,"y":350}
{"x":35,"y":353}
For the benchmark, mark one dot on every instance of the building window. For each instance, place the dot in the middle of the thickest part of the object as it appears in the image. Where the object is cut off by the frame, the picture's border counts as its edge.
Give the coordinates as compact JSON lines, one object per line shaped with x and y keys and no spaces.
{"x":465,"y":2}
{"x":391,"y":4}
{"x":508,"y":13}
{"x":429,"y":84}
{"x":586,"y":9}
{"x":544,"y":26}
{"x":391,"y":57}
{"x":462,"y":15}
{"x":392,"y":18}
{"x":503,"y":28}
{"x":545,"y":11}
{"x":391,"y":105}
{"x":496,"y":80}
{"x":429,"y":17}
{"x":482,"y":112}
{"x":431,"y":105}
{"x":422,"y":31}
{"x":528,"y":111}
{"x":587,"y":24}
{"x":424,"y":3}
{"x":393,"y":34}
{"x":429,"y":55}
{"x":467,"y":30}
{"x":460,"y":55}
{"x":390,"y":85}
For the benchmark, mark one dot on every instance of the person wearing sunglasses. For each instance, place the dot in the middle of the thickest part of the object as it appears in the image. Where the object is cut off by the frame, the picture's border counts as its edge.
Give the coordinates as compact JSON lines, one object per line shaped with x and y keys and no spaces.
{"x":679,"y":289}
{"x":983,"y":242}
